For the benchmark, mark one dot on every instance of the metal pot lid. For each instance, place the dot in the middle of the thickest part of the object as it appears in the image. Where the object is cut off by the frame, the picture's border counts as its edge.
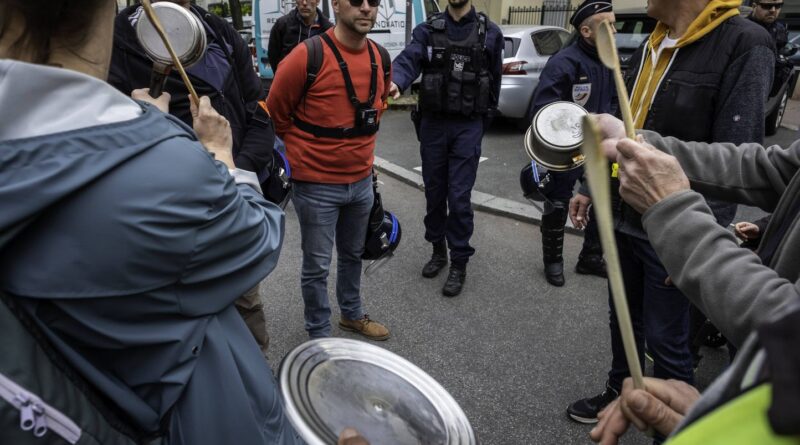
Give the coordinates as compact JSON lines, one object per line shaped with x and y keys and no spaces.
{"x":555,"y":136}
{"x":185,"y":33}
{"x":333,"y":383}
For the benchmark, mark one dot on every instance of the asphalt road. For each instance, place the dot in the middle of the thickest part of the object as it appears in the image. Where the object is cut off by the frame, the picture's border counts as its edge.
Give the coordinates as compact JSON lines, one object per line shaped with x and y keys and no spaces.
{"x":512,"y":350}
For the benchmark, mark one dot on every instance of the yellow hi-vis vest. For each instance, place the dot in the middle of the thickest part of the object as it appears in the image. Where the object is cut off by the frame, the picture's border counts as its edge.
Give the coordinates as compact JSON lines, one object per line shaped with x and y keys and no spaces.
{"x":742,"y":421}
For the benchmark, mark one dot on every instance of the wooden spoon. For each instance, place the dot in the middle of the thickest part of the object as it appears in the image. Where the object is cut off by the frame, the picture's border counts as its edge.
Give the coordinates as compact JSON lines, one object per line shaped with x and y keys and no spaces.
{"x":596,"y":168}
{"x":607,"y":50}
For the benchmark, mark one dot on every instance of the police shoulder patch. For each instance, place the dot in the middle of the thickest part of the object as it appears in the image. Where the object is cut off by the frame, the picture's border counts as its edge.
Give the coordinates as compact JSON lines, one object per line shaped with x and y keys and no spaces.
{"x":581,"y":93}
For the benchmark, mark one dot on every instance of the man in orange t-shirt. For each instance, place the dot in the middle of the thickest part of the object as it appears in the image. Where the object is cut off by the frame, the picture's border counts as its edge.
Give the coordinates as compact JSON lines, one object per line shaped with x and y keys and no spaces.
{"x":329,"y":131}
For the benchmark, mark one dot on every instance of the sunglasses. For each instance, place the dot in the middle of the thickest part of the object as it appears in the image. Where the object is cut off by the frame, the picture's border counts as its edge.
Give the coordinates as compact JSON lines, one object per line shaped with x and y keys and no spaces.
{"x":768,"y":6}
{"x":371,"y":3}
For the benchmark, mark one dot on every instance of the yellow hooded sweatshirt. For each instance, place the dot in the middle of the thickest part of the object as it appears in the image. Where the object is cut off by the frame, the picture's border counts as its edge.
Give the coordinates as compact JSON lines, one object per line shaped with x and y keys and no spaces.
{"x":656,"y":64}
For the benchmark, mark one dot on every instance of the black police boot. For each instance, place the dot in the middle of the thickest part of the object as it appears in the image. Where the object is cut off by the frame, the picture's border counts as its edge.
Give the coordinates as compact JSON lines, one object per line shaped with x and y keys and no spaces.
{"x":553,"y":244}
{"x":455,"y":280}
{"x":437,"y":262}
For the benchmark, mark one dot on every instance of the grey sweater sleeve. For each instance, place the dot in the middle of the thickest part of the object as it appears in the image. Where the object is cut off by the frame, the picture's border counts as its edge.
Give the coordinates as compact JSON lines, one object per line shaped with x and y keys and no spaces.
{"x":752,"y":175}
{"x":729,"y":284}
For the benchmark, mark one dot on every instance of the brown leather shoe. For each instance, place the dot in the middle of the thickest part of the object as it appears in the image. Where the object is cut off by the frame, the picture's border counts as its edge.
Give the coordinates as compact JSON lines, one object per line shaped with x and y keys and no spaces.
{"x":366,"y":327}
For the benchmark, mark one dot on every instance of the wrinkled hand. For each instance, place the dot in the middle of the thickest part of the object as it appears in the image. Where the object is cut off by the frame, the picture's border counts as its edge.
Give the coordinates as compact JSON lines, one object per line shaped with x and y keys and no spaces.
{"x":647,"y":175}
{"x":143,"y":95}
{"x":213,"y":130}
{"x":350,"y":436}
{"x":611,"y":131}
{"x":661,"y":406}
{"x":579,"y":210}
{"x":394,"y":91}
{"x":746,"y":231}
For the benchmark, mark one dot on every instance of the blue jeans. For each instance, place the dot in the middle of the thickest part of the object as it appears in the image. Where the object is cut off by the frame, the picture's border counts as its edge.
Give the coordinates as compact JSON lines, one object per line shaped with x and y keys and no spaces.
{"x":329,"y":212}
{"x":659,"y":314}
{"x":450,"y":150}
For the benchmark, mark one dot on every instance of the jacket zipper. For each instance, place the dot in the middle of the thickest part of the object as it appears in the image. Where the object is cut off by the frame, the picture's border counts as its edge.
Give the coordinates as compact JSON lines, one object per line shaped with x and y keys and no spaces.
{"x":35,"y":415}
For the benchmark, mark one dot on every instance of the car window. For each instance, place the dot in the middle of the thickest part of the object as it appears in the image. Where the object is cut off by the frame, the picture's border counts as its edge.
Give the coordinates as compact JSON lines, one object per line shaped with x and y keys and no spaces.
{"x":631,"y":32}
{"x":549,"y":41}
{"x":511,"y":46}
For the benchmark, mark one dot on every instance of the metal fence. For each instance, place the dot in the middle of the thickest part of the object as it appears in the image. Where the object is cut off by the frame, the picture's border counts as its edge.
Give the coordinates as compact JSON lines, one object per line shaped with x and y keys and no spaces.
{"x":555,"y":13}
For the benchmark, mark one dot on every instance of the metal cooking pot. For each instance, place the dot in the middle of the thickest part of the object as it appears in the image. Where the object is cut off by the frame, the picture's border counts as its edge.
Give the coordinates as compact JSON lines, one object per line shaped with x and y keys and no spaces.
{"x":185,"y":32}
{"x":555,"y":136}
{"x":332,"y":383}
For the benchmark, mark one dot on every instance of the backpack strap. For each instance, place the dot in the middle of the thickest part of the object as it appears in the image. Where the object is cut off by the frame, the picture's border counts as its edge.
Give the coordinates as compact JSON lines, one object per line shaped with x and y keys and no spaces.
{"x":313,"y":62}
{"x":386,"y":63}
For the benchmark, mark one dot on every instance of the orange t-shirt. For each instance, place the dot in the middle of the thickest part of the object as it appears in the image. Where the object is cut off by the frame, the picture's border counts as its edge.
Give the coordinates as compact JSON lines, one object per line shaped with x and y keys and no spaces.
{"x":325,"y":160}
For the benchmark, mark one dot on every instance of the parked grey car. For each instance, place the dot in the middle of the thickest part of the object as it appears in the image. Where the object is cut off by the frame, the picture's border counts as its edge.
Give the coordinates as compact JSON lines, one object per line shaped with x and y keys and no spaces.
{"x":526,"y":51}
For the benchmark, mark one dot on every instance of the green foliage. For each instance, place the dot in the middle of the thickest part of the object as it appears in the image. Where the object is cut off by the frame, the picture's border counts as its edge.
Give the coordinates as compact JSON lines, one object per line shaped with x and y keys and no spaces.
{"x":219,"y":9}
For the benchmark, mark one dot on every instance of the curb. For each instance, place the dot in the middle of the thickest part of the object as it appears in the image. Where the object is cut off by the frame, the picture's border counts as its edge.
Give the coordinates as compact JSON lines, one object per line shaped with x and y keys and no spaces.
{"x":527,"y":213}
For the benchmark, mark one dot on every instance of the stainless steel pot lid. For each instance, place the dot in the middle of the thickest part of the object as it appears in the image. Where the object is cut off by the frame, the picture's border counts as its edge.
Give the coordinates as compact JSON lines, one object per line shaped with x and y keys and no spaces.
{"x":333,"y":383}
{"x":555,"y":136}
{"x":185,"y":33}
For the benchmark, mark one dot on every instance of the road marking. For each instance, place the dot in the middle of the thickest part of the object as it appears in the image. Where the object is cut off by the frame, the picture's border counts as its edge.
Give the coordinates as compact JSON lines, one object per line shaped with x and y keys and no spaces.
{"x":481,"y":159}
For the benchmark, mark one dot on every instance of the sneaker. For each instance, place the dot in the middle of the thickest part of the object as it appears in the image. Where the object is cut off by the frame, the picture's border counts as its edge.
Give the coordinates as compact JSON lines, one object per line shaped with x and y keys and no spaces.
{"x":455,"y":282}
{"x":591,"y":265}
{"x":366,"y":327}
{"x":586,"y":410}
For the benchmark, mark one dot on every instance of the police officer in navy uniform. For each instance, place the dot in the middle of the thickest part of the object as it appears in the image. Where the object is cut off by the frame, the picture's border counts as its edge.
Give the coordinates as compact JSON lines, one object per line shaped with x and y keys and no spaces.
{"x":574,"y":74}
{"x":460,"y":55}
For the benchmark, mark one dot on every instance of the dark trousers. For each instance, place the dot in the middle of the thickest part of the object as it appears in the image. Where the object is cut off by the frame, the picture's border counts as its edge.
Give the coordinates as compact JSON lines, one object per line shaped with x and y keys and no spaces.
{"x":450,"y":150}
{"x":659,"y":313}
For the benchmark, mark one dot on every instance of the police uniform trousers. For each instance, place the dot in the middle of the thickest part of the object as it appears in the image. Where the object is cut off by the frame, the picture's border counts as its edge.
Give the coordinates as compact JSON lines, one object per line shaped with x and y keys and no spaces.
{"x":450,"y":148}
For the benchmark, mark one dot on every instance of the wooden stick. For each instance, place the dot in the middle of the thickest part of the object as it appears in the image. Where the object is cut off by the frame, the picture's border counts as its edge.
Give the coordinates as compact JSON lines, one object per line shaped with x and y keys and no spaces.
{"x":596,"y":168}
{"x":151,"y":14}
{"x":607,"y":51}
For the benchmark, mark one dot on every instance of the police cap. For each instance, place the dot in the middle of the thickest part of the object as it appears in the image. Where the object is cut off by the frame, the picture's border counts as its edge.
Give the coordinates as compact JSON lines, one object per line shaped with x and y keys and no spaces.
{"x":587,"y":9}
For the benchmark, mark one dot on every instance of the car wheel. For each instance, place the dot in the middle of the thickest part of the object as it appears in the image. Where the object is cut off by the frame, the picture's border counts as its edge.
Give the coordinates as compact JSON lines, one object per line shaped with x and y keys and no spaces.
{"x":774,"y":119}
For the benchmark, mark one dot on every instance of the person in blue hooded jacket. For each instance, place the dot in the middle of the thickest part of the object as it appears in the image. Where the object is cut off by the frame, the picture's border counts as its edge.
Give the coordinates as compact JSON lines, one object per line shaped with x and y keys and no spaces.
{"x":574,"y":74}
{"x":124,"y":238}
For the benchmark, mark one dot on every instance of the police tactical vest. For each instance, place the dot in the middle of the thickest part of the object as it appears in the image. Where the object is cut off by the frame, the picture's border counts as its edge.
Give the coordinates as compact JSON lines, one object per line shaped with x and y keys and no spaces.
{"x":455,"y":78}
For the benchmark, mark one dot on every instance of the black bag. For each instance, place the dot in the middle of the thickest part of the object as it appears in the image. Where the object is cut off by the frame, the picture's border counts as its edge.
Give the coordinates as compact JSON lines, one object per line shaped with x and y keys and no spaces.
{"x":43,"y":400}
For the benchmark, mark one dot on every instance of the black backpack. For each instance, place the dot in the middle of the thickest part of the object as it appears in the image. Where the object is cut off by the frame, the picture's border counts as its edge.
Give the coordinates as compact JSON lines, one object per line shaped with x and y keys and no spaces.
{"x":43,"y":400}
{"x":314,"y":62}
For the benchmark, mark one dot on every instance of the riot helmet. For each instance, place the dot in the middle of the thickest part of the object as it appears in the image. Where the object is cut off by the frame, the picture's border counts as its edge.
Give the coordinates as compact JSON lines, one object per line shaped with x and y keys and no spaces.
{"x":535,"y":181}
{"x":384,"y":240}
{"x":276,"y":183}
